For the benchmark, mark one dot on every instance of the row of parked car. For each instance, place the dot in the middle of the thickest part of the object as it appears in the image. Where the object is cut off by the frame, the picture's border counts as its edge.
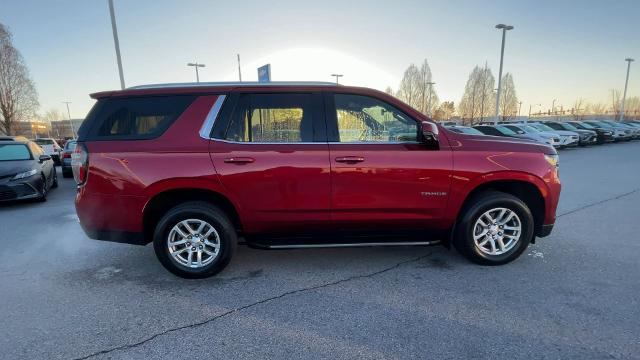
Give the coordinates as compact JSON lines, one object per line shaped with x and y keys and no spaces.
{"x":559,"y":134}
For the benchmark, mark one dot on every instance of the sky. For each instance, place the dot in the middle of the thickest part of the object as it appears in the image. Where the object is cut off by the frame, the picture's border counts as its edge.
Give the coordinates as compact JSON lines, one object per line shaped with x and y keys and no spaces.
{"x":561,"y":50}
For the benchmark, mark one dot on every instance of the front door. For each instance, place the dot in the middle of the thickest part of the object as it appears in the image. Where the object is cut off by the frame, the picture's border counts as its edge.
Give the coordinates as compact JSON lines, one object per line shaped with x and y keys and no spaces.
{"x":272,"y":157}
{"x":383,"y":175}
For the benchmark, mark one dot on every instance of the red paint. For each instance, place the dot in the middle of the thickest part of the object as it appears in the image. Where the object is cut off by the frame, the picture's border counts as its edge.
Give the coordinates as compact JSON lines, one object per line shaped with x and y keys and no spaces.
{"x":304,"y":187}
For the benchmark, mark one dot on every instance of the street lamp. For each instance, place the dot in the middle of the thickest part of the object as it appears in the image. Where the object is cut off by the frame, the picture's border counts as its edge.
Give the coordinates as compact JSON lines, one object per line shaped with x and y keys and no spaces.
{"x":504,"y":29}
{"x":114,"y":29}
{"x":530,"y":111}
{"x":196,"y":65}
{"x":337,"y":76}
{"x":73,"y":130}
{"x":626,"y":82}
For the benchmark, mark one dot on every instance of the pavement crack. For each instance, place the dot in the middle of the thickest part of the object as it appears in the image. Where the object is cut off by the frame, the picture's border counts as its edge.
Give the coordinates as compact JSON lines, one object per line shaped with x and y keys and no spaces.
{"x":599,"y":202}
{"x":259,"y":302}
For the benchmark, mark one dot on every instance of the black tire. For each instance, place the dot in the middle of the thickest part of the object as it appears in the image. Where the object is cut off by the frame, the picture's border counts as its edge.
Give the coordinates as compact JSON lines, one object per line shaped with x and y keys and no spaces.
{"x":54,"y":184}
{"x":44,"y":189}
{"x":202,"y":211}
{"x":481,"y":203}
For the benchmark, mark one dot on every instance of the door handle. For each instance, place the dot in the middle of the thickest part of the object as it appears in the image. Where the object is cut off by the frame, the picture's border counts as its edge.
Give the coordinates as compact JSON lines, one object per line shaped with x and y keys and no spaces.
{"x":349,"y":159}
{"x":239,"y":160}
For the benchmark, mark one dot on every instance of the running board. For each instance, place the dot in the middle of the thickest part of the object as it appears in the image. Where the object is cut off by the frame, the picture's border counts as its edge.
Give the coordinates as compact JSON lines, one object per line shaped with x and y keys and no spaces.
{"x":343,"y":245}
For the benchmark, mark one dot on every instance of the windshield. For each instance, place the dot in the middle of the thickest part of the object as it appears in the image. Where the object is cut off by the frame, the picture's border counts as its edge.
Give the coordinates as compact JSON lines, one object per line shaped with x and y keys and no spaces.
{"x":43,"y":141}
{"x":543,"y":127}
{"x":9,"y":152}
{"x":568,"y":126}
{"x":530,"y":129}
{"x":470,"y":131}
{"x":587,"y":125}
{"x":505,"y":130}
{"x":600,"y":124}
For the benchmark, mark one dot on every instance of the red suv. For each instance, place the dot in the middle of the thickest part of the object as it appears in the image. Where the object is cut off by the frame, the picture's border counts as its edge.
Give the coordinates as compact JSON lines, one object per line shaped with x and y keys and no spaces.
{"x":194,"y":167}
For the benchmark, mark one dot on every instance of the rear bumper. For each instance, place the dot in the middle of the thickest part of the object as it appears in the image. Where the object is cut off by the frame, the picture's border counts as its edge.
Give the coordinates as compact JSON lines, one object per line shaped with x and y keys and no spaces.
{"x":123,"y":237}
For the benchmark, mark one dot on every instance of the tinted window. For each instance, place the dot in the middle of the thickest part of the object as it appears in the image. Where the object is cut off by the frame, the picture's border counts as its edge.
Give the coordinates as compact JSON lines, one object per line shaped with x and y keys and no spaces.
{"x":488,"y":130}
{"x":516,"y":129}
{"x":135,"y":117}
{"x":505,"y":130}
{"x":365,"y":119}
{"x":14,"y":152}
{"x":272,"y":118}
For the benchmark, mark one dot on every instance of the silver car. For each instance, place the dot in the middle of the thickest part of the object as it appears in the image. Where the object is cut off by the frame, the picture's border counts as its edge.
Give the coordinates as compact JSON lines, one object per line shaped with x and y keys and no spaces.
{"x":535,"y":134}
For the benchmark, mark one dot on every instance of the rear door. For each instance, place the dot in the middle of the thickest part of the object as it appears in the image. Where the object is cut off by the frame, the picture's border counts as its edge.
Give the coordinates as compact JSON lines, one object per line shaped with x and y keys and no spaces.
{"x":383,"y":175}
{"x":270,"y":152}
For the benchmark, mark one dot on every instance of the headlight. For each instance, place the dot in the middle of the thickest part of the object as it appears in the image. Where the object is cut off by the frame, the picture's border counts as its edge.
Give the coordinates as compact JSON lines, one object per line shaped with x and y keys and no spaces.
{"x":25,"y":174}
{"x":553,"y":160}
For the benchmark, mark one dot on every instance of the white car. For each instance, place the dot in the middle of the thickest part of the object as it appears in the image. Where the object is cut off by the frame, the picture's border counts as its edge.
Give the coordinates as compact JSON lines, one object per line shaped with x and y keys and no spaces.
{"x":535,"y":134}
{"x":50,"y":147}
{"x":567,"y":138}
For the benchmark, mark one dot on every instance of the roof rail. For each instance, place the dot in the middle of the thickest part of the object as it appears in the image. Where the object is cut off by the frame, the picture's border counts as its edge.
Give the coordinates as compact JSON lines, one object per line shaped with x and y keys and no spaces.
{"x":232,"y":83}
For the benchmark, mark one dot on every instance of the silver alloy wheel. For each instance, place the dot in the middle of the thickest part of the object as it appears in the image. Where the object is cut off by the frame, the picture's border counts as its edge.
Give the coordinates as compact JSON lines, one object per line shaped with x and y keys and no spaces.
{"x":193,"y":243}
{"x":497,"y":231}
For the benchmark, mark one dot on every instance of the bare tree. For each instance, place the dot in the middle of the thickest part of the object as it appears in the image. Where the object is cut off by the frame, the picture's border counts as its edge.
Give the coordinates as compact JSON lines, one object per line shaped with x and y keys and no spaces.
{"x":389,"y":91}
{"x":409,"y":89}
{"x":509,"y":101}
{"x":428,"y":97}
{"x":579,"y":109}
{"x":595,"y":109}
{"x":478,"y":95}
{"x":615,"y":102}
{"x":445,"y":111}
{"x":18,"y":96}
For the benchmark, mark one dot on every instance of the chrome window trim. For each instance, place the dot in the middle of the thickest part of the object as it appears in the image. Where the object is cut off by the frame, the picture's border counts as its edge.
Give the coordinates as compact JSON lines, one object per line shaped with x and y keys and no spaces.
{"x":313,"y":143}
{"x":207,"y":125}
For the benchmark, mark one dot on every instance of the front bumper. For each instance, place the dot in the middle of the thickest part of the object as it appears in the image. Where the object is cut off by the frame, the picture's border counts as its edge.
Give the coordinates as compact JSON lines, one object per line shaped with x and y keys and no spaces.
{"x":21,"y":190}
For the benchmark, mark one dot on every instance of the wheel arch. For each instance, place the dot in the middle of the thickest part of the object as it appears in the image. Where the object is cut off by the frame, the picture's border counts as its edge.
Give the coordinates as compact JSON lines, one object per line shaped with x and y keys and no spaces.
{"x":162,"y":201}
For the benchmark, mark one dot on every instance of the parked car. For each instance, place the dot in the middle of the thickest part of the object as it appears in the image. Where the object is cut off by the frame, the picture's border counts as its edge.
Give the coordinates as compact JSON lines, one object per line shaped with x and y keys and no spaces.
{"x":535,"y":134}
{"x":26,"y":172}
{"x":65,"y":163}
{"x":464,"y":130}
{"x":567,"y":138}
{"x":498,"y":130}
{"x":586,"y":137}
{"x":50,"y":147}
{"x":604,"y":135}
{"x":618,"y":133}
{"x":191,"y":167}
{"x":13,"y":138}
{"x":635,"y":134}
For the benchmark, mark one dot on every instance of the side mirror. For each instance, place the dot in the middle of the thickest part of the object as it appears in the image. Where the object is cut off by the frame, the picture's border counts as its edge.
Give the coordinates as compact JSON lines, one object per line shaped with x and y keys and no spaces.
{"x":429,"y":131}
{"x":44,"y":158}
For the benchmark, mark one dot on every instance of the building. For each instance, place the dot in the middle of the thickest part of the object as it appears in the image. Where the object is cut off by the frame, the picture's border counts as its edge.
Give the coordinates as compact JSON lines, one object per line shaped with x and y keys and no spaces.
{"x":32,"y":129}
{"x":65,"y":129}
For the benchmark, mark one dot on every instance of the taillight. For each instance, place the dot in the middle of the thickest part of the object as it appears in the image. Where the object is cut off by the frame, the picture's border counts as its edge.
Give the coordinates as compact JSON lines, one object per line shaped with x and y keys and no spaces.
{"x":80,"y":163}
{"x":66,"y":155}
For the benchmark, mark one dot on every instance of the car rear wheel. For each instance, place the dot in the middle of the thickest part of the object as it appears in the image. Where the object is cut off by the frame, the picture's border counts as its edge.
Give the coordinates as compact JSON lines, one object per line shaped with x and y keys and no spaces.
{"x":494,"y":229}
{"x":195,"y":240}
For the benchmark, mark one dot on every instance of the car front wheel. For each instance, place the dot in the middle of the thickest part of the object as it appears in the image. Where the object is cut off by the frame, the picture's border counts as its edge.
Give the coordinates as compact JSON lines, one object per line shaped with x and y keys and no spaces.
{"x":494,"y":229}
{"x":195,"y":240}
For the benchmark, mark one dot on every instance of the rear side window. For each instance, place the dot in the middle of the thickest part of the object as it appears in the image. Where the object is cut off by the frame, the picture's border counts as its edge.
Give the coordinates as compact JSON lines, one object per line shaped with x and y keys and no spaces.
{"x":272,"y":118}
{"x":43,"y":141}
{"x":134,"y":117}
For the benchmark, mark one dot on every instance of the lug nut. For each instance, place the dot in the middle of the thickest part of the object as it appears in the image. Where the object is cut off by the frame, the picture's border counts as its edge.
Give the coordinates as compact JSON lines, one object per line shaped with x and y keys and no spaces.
{"x":500,"y":233}
{"x":200,"y":247}
{"x":501,"y":227}
{"x":193,"y":248}
{"x":188,"y":244}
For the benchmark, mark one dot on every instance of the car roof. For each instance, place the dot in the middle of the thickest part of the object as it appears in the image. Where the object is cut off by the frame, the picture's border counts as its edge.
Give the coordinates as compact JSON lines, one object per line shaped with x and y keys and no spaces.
{"x":13,"y":142}
{"x":222,"y":87}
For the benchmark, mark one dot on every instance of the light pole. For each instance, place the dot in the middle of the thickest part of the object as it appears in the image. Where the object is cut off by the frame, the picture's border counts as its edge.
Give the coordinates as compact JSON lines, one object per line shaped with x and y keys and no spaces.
{"x":504,"y":29}
{"x":530,"y":111}
{"x":196,"y":65}
{"x":519,"y":108}
{"x":429,"y":100}
{"x":73,"y":130}
{"x":626,"y":82}
{"x":239,"y":71}
{"x":337,"y":76}
{"x":553,"y":106}
{"x":114,"y":28}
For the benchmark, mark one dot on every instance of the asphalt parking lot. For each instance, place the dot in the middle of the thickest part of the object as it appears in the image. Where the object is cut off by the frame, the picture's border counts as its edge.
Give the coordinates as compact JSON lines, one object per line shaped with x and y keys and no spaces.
{"x":574,"y":294}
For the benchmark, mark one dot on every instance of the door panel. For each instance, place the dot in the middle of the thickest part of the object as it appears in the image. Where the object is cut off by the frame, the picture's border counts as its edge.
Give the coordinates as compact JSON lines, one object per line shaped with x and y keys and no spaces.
{"x":383,"y":176}
{"x":273,"y":159}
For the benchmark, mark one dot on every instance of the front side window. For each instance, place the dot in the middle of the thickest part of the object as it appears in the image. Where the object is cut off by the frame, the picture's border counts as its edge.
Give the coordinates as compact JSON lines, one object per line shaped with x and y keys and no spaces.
{"x":12,"y":152}
{"x":365,"y":119}
{"x":272,"y":118}
{"x":505,"y":130}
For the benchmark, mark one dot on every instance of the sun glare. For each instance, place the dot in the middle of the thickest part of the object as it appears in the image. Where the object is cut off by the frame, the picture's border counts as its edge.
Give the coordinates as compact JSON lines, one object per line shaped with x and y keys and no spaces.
{"x":317,"y":64}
